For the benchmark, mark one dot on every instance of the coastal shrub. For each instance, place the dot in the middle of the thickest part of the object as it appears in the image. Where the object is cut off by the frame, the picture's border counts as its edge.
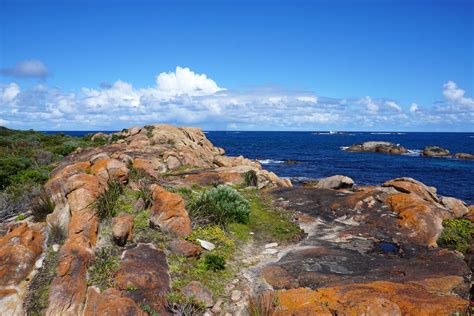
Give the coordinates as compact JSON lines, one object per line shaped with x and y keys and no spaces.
{"x":456,"y":234}
{"x":250,"y":178}
{"x":116,"y":138}
{"x":17,"y":198}
{"x":10,"y":166}
{"x":30,"y":175}
{"x":214,"y":262}
{"x":65,"y":149}
{"x":103,"y":269}
{"x":106,"y":204}
{"x":221,"y":205}
{"x":42,"y":206}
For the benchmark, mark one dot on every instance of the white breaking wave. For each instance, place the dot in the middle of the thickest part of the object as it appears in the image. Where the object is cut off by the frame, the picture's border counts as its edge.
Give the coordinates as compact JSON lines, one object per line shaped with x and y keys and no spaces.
{"x":344,"y":147}
{"x":269,"y":161}
{"x":413,"y":152}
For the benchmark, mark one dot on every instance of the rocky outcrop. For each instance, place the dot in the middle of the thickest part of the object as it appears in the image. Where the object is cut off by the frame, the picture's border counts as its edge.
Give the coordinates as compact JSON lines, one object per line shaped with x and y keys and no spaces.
{"x":464,"y":156}
{"x":196,"y":291}
{"x":19,"y":251}
{"x":379,"y":147}
{"x":335,"y":182}
{"x":169,"y":213}
{"x":372,"y":251}
{"x":122,"y":228}
{"x":435,"y":151}
{"x":457,"y":206}
{"x":145,"y":269}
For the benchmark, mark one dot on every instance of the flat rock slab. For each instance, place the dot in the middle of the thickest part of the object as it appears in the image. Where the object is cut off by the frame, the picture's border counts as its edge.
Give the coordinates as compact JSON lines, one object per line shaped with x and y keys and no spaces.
{"x":143,"y":276}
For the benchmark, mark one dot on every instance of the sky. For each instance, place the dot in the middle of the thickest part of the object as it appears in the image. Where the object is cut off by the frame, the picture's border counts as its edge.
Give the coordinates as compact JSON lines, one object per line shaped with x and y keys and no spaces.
{"x":379,"y":65}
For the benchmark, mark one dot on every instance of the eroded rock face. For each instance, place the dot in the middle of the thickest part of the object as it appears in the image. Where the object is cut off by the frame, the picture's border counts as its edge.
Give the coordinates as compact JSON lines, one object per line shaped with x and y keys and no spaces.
{"x":144,"y":268}
{"x":457,"y":206}
{"x":169,"y":213}
{"x":19,"y":250}
{"x":110,"y":302}
{"x":435,"y":151}
{"x":379,"y":147}
{"x":122,"y":228}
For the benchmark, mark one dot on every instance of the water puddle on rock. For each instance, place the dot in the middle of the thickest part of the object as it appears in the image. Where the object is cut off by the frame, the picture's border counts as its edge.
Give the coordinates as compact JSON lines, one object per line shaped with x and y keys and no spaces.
{"x":387,"y":248}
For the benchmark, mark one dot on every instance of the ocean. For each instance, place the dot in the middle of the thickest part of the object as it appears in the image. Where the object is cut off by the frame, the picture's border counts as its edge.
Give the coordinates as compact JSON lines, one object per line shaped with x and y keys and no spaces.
{"x":322,"y":155}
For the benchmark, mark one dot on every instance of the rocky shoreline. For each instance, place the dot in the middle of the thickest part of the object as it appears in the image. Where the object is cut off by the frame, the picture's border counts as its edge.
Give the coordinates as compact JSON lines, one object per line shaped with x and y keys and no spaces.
{"x":325,"y":248}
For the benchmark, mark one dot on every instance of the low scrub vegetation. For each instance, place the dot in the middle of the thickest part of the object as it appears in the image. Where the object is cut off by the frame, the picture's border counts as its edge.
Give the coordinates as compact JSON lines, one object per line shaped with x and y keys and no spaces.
{"x":42,"y":206}
{"x":456,"y":234}
{"x":250,"y":178}
{"x":263,"y":304}
{"x":101,"y":273}
{"x":214,"y":262}
{"x":220,"y":205}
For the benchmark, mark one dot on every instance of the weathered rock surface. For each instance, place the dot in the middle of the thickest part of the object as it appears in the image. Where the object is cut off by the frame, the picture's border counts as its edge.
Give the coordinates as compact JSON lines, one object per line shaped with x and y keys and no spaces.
{"x":372,"y":251}
{"x":199,"y":293}
{"x":169,"y":213}
{"x":335,"y":182}
{"x":185,"y":248}
{"x":464,"y":156}
{"x":379,"y":147}
{"x":110,"y":302}
{"x":435,"y":151}
{"x":457,"y":206}
{"x":19,"y":250}
{"x":122,"y":228}
{"x":145,"y":269}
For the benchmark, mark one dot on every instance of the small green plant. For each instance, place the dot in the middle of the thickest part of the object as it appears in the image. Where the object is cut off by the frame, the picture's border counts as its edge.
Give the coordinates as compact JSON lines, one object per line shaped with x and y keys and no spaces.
{"x":20,"y":217}
{"x":103,"y":269}
{"x":456,"y":234}
{"x":116,"y":138}
{"x":221,"y":205}
{"x":106,"y":204}
{"x":42,"y":206}
{"x":214,"y":262}
{"x":250,"y":178}
{"x":57,"y":234}
{"x":149,"y":131}
{"x":131,"y":288}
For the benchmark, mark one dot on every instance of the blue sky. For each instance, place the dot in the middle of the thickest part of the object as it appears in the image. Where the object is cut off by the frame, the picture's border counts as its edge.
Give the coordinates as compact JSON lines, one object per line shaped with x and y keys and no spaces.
{"x":271,"y":65}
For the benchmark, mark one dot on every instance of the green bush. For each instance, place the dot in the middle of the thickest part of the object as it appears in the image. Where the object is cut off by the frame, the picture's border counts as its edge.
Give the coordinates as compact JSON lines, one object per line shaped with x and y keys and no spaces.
{"x":221,"y":205}
{"x":214,"y":262}
{"x":10,"y":166}
{"x":106,"y":204}
{"x":456,"y":235}
{"x":30,"y":175}
{"x":250,"y":178}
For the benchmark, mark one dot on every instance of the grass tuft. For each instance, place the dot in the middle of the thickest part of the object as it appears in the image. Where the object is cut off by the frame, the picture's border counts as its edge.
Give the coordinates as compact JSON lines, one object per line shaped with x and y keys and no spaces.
{"x":106,"y":204}
{"x":42,"y":206}
{"x":250,"y":178}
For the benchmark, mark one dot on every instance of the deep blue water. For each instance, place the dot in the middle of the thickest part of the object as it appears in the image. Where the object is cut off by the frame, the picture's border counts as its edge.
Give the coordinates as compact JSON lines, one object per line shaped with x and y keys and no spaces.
{"x":321,"y":156}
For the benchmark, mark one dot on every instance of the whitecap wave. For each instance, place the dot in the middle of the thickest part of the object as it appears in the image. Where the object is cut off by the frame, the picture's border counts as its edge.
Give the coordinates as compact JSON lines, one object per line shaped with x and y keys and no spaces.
{"x":344,"y":147}
{"x":413,"y":152}
{"x":269,"y":161}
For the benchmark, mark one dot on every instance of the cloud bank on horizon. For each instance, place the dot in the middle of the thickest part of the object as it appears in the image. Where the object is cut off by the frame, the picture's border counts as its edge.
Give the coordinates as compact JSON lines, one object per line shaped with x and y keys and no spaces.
{"x":184,"y":97}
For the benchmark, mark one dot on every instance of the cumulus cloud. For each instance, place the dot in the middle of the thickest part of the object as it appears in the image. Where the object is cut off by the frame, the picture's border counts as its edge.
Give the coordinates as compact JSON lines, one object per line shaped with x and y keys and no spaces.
{"x":27,"y":69}
{"x":187,"y":98}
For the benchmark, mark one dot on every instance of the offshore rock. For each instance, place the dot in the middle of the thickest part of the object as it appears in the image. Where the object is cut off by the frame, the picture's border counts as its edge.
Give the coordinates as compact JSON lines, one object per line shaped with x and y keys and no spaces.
{"x":379,"y":147}
{"x":435,"y":151}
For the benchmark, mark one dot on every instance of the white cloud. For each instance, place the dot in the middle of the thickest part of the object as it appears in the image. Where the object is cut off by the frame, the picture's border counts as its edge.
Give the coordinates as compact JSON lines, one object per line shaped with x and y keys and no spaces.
{"x":184,"y":97}
{"x":393,"y":105}
{"x":456,"y":95}
{"x":27,"y":69}
{"x":8,"y":93}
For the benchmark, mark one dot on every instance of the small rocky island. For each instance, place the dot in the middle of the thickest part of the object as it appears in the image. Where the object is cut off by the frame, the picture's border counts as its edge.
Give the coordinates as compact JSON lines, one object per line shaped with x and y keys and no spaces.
{"x":378,"y":147}
{"x":156,"y":220}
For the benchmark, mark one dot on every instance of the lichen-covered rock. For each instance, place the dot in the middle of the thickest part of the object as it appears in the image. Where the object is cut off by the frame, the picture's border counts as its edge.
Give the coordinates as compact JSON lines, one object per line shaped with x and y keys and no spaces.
{"x":375,"y":298}
{"x":168,"y":212}
{"x":106,"y":169}
{"x":122,"y":228}
{"x":410,"y":185}
{"x":464,"y":156}
{"x":185,"y":248}
{"x":112,"y":303}
{"x":19,"y":250}
{"x":145,"y":269}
